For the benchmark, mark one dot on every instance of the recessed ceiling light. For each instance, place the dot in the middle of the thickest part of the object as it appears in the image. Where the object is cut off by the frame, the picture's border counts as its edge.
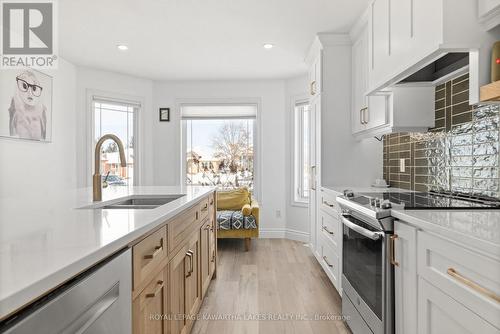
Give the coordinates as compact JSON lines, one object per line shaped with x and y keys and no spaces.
{"x":122,"y":47}
{"x":268,"y":46}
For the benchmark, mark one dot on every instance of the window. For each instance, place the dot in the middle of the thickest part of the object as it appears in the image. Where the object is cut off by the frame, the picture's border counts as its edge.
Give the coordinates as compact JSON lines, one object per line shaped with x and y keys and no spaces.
{"x":219,"y":145}
{"x":116,"y":118}
{"x":301,"y":152}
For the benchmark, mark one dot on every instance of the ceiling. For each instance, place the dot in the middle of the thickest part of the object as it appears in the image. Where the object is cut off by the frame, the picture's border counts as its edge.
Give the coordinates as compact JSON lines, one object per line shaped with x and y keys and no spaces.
{"x":199,"y":39}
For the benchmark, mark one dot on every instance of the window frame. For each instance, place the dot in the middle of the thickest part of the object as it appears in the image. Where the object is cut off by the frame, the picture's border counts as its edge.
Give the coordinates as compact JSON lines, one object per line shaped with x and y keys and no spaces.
{"x":94,"y":96}
{"x":256,"y":134}
{"x":297,"y":153}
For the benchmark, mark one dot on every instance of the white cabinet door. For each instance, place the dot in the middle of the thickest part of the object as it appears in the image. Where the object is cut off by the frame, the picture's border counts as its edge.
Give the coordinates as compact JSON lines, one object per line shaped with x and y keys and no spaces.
{"x":404,"y":242}
{"x":377,"y":113}
{"x":314,"y":112}
{"x":380,"y":47}
{"x":440,"y":313}
{"x":360,"y":81}
{"x":368,"y":111}
{"x":401,"y":28}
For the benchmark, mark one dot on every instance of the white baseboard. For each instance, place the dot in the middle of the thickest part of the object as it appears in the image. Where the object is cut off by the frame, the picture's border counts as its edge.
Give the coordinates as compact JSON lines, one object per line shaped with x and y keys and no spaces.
{"x":284,"y":233}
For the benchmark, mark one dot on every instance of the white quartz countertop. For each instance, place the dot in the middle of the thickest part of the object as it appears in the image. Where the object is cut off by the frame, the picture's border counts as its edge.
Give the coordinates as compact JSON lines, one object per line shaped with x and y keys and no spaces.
{"x":47,"y":239}
{"x":478,"y":229}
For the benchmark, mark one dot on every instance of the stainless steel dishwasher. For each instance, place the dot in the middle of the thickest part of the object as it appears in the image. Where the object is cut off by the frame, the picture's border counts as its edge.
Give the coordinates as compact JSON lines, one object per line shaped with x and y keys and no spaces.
{"x":97,"y":301}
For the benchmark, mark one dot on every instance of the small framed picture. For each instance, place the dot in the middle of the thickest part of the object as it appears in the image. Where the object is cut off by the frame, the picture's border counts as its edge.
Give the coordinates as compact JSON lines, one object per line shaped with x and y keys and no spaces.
{"x":164,"y":114}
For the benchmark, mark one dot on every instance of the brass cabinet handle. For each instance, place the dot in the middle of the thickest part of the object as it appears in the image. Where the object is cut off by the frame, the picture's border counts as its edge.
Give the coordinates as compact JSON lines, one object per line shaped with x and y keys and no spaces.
{"x":191,"y":261}
{"x":393,"y":250}
{"x":327,"y":230}
{"x":326,"y":261}
{"x":190,"y":255}
{"x":205,"y":208}
{"x":158,"y":250}
{"x":157,"y":291}
{"x":473,"y":285}
{"x":328,"y":204}
{"x":211,"y":201}
{"x":312,"y":176}
{"x":312,"y":88}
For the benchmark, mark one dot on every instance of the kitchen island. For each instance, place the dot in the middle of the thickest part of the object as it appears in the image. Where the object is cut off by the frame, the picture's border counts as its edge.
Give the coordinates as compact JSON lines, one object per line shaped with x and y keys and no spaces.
{"x":48,"y":239}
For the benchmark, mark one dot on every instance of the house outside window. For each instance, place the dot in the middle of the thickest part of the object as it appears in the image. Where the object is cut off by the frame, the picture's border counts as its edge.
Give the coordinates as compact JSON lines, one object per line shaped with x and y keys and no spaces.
{"x":219,"y":145}
{"x":118,"y":118}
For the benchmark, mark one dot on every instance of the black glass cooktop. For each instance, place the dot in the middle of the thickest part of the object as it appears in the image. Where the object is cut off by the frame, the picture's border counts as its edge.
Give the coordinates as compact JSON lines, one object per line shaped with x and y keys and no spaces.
{"x":434,"y":200}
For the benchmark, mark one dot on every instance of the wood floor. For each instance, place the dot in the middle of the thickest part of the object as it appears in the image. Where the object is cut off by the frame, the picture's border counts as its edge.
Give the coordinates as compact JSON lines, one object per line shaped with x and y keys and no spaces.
{"x":276,"y":279}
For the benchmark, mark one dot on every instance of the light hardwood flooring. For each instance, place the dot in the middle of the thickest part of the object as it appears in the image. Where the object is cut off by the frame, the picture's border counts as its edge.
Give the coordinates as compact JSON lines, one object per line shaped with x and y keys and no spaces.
{"x":277,"y":277}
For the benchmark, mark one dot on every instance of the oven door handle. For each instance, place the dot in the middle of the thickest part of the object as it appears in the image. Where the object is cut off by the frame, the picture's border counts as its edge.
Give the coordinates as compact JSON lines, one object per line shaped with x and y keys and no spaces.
{"x":363,"y":231}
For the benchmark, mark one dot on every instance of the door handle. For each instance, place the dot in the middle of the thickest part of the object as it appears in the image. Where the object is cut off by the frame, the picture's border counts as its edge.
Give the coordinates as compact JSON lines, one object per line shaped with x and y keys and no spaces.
{"x":158,"y":250}
{"x":312,"y":88}
{"x":191,"y":261}
{"x":361,"y":230}
{"x":189,"y":254}
{"x":328,"y":204}
{"x":313,"y":177}
{"x":367,"y":117}
{"x":393,"y":250}
{"x":213,"y":255}
{"x":327,"y":230}
{"x":157,"y":291}
{"x":326,"y":261}
{"x":361,"y":116}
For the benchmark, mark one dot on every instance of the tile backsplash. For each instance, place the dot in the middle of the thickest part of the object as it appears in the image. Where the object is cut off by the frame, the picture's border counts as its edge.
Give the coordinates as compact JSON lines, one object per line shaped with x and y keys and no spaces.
{"x":461,"y":154}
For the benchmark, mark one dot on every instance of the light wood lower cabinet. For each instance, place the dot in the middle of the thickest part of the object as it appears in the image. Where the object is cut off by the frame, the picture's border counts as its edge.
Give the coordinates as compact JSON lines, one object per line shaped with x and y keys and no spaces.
{"x":150,"y":306}
{"x":167,"y":300}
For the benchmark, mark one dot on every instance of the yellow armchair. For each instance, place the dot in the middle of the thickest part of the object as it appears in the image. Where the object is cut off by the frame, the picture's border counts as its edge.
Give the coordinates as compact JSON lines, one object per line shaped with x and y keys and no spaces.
{"x":239,"y":200}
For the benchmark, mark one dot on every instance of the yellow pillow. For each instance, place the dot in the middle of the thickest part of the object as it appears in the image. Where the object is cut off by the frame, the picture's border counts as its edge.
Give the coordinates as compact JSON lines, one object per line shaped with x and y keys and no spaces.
{"x":246,"y":210}
{"x":233,"y":199}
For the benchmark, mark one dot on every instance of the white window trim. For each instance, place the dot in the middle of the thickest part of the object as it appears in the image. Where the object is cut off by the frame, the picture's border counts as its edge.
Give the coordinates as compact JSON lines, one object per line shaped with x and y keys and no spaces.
{"x":138,"y":125}
{"x":257,"y":134}
{"x":297,"y":99}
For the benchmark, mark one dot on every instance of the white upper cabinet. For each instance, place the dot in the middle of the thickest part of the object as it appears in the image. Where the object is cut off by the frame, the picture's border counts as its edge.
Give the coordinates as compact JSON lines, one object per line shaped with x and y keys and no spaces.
{"x":394,"y":109}
{"x":489,"y":13}
{"x":406,"y":35}
{"x":368,"y":112}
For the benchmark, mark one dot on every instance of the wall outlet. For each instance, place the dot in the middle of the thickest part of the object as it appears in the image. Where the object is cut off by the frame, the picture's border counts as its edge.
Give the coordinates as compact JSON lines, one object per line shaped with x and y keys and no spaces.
{"x":278,"y":213}
{"x":402,"y":166}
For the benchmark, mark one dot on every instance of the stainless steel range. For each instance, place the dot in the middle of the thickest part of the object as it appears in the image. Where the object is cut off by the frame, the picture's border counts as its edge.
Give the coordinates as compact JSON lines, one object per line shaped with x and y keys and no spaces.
{"x":368,"y":249}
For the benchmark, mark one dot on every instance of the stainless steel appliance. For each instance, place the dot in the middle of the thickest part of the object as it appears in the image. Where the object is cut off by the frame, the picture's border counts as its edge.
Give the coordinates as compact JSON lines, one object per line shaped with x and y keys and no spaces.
{"x":97,"y":301}
{"x":368,"y":273}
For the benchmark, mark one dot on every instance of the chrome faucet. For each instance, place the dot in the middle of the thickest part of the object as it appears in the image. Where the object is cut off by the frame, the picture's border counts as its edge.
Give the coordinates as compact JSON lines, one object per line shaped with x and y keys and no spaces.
{"x":97,"y":169}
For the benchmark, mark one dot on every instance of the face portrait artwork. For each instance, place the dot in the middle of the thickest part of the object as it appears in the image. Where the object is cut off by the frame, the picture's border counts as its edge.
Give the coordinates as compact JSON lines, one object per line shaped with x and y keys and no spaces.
{"x":29,"y":105}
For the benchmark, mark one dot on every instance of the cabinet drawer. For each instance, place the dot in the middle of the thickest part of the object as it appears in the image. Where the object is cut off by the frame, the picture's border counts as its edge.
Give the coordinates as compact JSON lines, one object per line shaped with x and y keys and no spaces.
{"x":151,"y":301}
{"x":330,"y":229}
{"x":329,"y":203}
{"x":440,"y":313}
{"x":471,"y":278}
{"x":181,"y":226}
{"x":330,"y":261}
{"x":148,"y":254}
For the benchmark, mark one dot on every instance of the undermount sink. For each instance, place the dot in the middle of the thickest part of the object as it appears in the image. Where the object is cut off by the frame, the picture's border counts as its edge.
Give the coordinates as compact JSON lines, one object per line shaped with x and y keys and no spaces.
{"x":141,"y":202}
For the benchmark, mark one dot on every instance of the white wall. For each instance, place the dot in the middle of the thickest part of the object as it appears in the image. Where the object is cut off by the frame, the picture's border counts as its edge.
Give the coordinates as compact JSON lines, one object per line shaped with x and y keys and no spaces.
{"x":297,"y":223}
{"x":38,"y":168}
{"x":115,"y":85}
{"x":167,"y":138}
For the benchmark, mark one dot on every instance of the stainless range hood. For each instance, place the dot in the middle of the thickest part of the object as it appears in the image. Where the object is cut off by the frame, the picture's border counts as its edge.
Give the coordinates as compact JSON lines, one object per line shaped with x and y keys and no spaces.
{"x":442,"y":69}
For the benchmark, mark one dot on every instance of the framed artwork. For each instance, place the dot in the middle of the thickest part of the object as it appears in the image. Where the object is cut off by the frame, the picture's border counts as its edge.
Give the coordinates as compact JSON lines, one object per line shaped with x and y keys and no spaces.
{"x":164,"y":114}
{"x":26,"y":105}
